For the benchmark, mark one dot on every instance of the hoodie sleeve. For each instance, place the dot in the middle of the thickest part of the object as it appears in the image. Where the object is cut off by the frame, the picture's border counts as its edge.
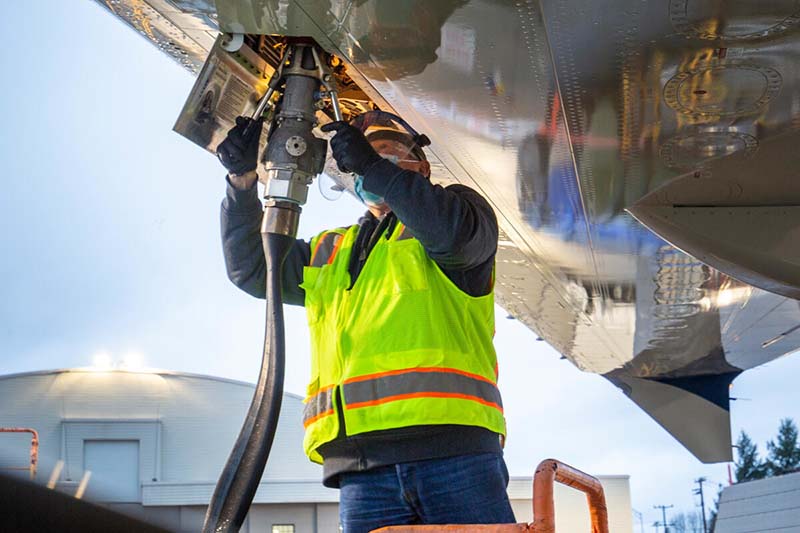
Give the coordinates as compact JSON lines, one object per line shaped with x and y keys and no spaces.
{"x":240,"y":222}
{"x":456,"y":225}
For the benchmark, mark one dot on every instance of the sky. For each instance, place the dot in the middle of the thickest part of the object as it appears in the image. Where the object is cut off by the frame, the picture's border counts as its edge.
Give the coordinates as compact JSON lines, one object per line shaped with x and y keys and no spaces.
{"x":110,"y":245}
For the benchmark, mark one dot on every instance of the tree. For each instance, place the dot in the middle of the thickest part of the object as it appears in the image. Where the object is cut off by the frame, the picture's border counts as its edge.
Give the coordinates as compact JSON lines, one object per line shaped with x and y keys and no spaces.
{"x":679,"y":523}
{"x":784,"y":454}
{"x":712,"y":521}
{"x":748,"y":465}
{"x":687,"y":523}
{"x":694,"y":522}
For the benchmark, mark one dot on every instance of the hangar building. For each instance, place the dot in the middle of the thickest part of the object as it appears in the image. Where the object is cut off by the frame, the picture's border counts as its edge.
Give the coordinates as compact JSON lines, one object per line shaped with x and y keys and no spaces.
{"x":154,"y":443}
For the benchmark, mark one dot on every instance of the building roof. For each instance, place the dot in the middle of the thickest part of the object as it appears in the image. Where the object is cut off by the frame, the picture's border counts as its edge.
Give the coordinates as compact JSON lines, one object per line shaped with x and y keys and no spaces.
{"x":155,"y":371}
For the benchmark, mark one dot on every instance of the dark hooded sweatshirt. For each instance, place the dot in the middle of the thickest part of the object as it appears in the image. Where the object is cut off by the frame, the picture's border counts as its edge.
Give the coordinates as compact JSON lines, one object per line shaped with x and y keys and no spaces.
{"x":458,"y":230}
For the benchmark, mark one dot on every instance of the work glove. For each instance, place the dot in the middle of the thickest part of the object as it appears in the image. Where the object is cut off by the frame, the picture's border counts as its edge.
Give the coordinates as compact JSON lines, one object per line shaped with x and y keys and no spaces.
{"x":239,"y":151}
{"x":350,"y":148}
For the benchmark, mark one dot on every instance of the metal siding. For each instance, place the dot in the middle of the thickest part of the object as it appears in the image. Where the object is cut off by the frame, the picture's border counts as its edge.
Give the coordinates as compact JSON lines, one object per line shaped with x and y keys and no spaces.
{"x":32,"y":401}
{"x":199,"y":417}
{"x":751,"y":489}
{"x":199,"y":493}
{"x":114,"y":467}
{"x":14,"y":451}
{"x":262,"y":517}
{"x":108,"y":395}
{"x":765,"y":505}
{"x":786,"y":521}
{"x":327,"y":518}
{"x":76,"y":432}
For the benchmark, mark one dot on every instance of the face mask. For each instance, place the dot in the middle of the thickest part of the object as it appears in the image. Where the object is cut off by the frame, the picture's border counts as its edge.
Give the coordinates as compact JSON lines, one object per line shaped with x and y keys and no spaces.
{"x":366,"y":197}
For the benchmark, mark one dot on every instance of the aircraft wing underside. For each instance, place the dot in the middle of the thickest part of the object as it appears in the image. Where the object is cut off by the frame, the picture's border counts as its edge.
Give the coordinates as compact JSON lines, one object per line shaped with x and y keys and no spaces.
{"x":572,"y":119}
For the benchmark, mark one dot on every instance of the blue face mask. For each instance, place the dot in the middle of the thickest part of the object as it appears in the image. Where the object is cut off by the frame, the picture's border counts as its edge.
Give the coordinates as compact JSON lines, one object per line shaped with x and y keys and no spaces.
{"x":367,"y":198}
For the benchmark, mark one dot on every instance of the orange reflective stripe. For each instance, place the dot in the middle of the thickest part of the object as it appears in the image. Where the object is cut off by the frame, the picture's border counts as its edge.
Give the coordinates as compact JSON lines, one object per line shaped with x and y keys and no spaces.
{"x":335,"y":249}
{"x":403,"y":233}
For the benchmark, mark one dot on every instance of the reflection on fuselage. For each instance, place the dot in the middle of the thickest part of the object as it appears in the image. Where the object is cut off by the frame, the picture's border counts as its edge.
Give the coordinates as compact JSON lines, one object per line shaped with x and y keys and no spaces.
{"x":564,"y":115}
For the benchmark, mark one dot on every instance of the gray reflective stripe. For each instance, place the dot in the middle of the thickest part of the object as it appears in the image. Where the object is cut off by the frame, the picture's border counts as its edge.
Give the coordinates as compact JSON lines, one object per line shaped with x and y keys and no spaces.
{"x":325,"y":249}
{"x":318,"y":404}
{"x":386,"y":387}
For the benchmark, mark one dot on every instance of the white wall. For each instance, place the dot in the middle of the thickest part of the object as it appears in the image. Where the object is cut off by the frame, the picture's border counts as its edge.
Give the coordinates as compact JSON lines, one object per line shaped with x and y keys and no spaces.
{"x":572,"y":511}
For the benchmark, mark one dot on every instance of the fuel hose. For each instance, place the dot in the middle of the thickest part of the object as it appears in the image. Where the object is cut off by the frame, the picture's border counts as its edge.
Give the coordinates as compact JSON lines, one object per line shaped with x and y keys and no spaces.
{"x":288,"y":170}
{"x":242,"y":473}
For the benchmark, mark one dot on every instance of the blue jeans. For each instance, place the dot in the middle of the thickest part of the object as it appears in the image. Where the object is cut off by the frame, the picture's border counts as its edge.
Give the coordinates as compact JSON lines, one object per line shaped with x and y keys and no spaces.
{"x":467,"y":489}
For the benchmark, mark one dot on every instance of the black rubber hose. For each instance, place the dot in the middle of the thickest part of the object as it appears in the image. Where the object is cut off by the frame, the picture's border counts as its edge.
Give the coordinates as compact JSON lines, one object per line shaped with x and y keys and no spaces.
{"x":242,"y":473}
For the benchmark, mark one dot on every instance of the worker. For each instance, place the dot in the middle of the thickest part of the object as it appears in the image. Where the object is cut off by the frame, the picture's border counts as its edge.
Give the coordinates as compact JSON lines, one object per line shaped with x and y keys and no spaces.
{"x":402,"y":408}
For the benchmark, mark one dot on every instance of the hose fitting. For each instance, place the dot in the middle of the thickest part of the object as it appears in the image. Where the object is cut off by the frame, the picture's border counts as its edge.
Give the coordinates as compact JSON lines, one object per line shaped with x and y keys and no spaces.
{"x":281,"y":217}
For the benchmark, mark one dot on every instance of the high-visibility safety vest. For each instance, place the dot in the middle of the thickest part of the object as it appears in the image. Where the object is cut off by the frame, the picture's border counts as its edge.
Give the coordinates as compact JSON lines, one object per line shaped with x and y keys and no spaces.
{"x":403,"y":347}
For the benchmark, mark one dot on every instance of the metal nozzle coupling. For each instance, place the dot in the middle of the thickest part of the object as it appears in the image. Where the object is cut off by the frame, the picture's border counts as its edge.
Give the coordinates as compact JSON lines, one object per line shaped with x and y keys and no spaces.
{"x":281,"y":217}
{"x":294,"y":155}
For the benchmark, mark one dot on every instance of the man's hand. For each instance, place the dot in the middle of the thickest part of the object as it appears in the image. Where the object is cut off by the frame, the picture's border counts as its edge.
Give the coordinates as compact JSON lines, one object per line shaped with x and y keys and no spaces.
{"x":239,"y":151}
{"x":351,"y":149}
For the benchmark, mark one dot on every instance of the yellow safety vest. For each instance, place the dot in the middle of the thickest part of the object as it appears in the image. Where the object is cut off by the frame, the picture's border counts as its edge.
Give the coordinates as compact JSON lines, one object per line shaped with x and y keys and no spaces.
{"x":403,"y":347}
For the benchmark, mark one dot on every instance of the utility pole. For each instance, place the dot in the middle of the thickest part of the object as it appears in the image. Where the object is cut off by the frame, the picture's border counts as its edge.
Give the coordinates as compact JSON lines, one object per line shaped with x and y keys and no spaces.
{"x":664,"y":515}
{"x":638,"y":515}
{"x":699,"y":491}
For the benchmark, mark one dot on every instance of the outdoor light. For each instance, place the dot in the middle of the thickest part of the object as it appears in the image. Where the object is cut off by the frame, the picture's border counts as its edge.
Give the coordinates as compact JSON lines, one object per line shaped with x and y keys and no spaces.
{"x":102,"y":361}
{"x":132,"y":361}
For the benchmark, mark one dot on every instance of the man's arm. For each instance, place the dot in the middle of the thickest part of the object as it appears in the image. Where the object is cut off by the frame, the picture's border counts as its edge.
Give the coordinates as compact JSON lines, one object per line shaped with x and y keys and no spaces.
{"x":456,"y":225}
{"x":240,"y":221}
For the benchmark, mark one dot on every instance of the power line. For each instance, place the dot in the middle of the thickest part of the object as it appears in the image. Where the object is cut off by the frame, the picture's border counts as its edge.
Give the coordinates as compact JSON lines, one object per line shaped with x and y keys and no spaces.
{"x":664,"y":517}
{"x":638,"y":515}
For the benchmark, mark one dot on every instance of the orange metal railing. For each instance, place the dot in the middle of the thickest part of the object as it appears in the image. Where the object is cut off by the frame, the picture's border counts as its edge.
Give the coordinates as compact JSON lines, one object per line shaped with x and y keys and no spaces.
{"x":547,"y":474}
{"x":34,"y":448}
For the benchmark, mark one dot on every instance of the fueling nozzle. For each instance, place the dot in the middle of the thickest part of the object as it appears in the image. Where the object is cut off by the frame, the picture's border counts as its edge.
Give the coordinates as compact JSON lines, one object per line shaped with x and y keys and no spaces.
{"x":294,"y":156}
